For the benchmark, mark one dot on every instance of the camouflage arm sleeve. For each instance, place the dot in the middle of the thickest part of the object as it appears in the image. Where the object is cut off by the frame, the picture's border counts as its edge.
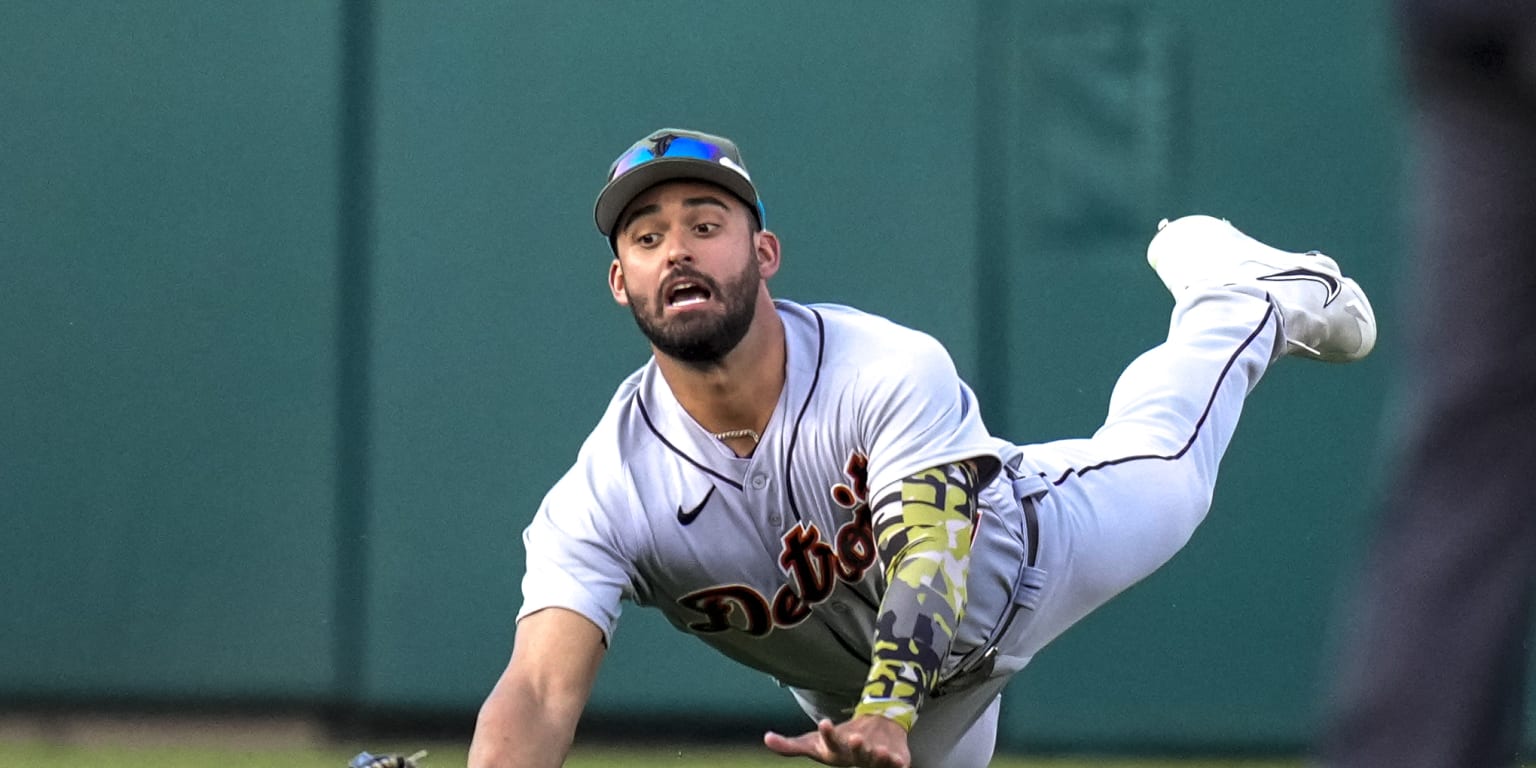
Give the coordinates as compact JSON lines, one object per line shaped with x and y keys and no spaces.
{"x":923,"y":535}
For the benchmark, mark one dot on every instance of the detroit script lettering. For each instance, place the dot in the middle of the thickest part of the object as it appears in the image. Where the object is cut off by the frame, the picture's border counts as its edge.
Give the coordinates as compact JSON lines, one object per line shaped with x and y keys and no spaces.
{"x":813,"y":566}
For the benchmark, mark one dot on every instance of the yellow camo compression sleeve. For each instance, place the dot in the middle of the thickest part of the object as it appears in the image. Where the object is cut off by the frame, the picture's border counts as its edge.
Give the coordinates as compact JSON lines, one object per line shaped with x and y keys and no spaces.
{"x":923,"y":535}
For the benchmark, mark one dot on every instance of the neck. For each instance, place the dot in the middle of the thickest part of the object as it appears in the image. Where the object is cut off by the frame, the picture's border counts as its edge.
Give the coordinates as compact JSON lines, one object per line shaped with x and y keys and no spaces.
{"x":742,"y":389}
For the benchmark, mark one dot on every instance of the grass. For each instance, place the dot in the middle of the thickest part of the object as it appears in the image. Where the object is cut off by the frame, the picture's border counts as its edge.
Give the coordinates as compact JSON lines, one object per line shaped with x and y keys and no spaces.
{"x":37,"y":755}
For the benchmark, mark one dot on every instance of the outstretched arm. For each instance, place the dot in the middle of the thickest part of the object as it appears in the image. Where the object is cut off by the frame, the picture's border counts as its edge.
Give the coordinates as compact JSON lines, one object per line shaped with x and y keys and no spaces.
{"x":529,"y":719}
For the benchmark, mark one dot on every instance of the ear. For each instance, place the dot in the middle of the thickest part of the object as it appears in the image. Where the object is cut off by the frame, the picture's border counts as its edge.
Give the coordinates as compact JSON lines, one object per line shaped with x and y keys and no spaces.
{"x":766,"y":246}
{"x":616,"y":282}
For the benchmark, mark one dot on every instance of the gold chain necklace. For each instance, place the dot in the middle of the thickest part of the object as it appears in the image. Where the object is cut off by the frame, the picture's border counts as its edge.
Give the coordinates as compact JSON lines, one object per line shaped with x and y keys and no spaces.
{"x":735,"y":433}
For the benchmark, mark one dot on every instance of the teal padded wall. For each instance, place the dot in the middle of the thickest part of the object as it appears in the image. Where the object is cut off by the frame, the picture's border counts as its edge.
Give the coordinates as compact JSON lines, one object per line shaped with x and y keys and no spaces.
{"x":167,"y":304}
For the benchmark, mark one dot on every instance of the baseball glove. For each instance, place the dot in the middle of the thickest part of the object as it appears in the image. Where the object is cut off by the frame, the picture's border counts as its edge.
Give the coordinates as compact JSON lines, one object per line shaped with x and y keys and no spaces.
{"x":365,"y":760}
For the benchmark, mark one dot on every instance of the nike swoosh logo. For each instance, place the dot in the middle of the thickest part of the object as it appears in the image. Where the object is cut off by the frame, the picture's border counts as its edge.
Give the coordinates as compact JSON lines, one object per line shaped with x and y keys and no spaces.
{"x":1329,"y":282}
{"x":689,"y":516}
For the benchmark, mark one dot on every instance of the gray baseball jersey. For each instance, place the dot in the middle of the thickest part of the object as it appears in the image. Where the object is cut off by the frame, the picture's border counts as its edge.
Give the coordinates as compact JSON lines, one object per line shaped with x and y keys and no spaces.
{"x":771,"y":559}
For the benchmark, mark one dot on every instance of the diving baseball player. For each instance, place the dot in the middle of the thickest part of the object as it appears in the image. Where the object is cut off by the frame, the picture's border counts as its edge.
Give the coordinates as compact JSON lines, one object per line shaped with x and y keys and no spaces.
{"x":810,"y":489}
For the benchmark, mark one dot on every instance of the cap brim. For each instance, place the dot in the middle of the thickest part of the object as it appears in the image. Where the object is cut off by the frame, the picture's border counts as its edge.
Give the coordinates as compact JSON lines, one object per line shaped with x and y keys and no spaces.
{"x":615,"y":197}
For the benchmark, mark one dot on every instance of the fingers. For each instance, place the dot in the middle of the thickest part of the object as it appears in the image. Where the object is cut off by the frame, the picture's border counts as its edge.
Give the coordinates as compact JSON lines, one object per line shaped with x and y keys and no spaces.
{"x":832,"y":745}
{"x":822,"y":745}
{"x":834,"y":751}
{"x":826,"y":728}
{"x":788,"y":747}
{"x":813,"y":745}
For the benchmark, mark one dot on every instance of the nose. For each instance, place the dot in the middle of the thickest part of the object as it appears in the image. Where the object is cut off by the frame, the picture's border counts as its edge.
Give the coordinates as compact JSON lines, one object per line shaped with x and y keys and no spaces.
{"x":678,"y":250}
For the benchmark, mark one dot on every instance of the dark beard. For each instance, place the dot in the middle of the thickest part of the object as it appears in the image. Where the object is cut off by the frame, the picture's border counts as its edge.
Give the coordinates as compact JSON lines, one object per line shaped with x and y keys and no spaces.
{"x":703,"y":339}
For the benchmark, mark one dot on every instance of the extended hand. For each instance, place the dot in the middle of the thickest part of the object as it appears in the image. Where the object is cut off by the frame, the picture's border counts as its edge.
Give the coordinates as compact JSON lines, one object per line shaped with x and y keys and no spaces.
{"x":867,"y":741}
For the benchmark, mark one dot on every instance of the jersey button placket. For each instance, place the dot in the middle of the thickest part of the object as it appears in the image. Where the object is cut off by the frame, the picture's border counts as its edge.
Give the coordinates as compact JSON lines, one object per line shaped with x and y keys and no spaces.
{"x":763,"y":498}
{"x":757,"y":481}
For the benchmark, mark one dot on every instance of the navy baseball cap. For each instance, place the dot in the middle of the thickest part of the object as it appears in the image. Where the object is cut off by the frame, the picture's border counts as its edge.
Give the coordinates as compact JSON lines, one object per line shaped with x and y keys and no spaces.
{"x":673,"y":153}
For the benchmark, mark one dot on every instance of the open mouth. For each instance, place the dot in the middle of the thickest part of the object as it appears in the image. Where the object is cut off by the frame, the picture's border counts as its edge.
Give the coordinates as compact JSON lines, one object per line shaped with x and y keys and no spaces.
{"x":686,"y":293}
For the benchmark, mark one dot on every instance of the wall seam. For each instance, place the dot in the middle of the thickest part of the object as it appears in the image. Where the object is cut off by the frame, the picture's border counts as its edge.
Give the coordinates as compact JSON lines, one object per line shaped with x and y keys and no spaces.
{"x":354,"y":285}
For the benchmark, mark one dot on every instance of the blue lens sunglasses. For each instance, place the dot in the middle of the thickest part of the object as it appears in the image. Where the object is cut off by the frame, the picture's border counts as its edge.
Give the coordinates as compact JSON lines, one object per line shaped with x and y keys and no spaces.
{"x":679,"y":146}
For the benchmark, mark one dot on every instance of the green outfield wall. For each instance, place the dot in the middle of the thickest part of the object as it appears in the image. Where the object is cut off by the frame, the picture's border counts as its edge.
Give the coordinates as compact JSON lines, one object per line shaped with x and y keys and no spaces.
{"x":302,"y":311}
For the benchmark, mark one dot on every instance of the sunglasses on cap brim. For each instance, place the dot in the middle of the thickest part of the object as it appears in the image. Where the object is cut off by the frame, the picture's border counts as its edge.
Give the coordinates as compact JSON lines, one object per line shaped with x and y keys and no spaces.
{"x":680,"y":146}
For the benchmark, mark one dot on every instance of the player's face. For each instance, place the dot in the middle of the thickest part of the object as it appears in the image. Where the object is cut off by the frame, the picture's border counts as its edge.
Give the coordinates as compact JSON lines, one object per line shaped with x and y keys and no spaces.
{"x":689,"y":266}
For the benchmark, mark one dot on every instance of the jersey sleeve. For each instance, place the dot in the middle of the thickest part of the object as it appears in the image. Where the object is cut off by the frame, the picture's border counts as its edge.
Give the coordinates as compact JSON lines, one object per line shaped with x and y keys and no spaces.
{"x":574,"y":554}
{"x":917,"y":414}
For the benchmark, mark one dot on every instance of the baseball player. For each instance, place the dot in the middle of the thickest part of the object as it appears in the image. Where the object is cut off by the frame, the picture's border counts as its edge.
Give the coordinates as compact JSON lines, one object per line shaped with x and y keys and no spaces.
{"x":810,"y":489}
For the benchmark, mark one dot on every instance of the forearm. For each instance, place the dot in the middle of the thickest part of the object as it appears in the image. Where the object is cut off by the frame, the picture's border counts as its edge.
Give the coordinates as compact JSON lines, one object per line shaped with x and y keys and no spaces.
{"x":923,"y":533}
{"x":519,"y":729}
{"x":529,"y":719}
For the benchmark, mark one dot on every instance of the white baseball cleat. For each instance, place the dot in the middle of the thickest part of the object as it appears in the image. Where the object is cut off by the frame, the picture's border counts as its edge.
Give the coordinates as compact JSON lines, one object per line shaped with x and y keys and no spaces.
{"x":1324,"y":315}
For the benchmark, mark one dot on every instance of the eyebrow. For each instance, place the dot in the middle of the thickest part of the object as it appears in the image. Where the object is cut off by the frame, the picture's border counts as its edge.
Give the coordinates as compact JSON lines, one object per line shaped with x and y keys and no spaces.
{"x":691,"y":202}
